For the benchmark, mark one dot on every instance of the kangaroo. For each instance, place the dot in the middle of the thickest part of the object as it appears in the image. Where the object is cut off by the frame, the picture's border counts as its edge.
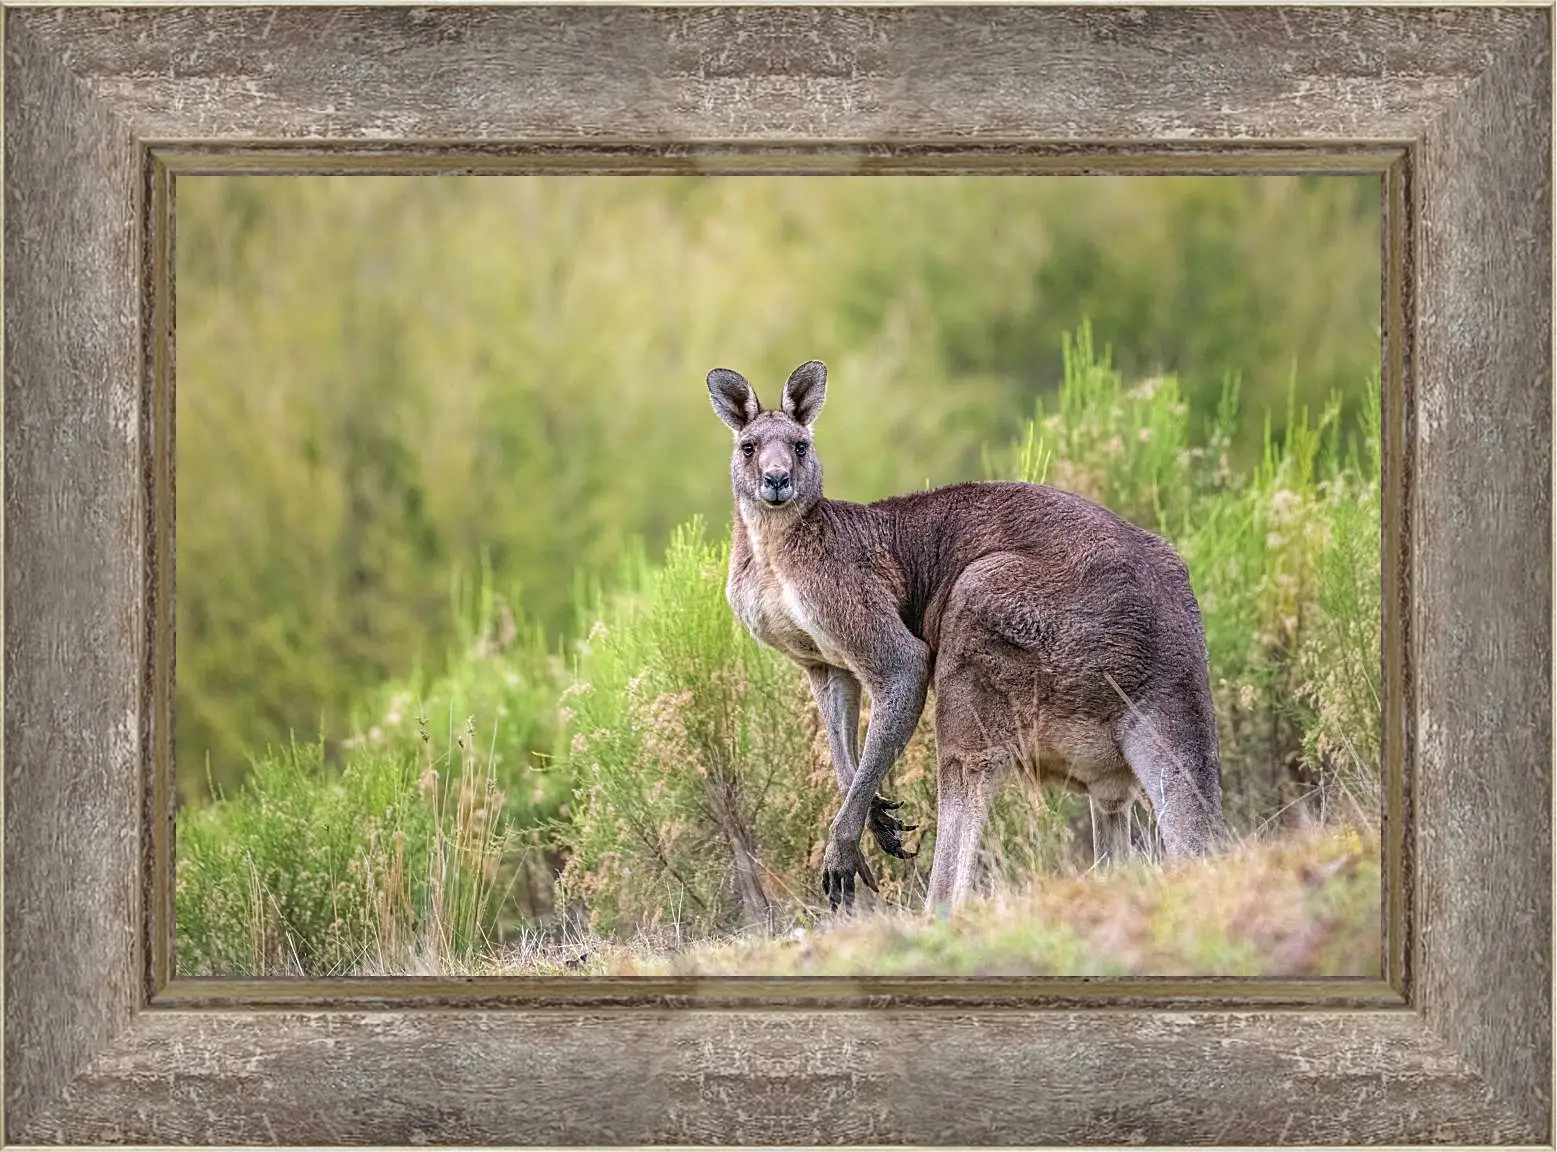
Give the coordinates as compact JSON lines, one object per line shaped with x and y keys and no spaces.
{"x":1062,"y":641}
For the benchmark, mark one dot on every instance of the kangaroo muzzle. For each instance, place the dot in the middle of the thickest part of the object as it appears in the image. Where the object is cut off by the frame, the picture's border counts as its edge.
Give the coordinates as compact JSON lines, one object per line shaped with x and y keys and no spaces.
{"x":776,"y":486}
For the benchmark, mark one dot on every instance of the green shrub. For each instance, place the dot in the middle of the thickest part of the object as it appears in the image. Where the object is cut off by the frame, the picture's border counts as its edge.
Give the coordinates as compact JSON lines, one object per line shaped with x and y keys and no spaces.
{"x":1338,"y":655}
{"x":701,"y":796}
{"x":387,"y":866}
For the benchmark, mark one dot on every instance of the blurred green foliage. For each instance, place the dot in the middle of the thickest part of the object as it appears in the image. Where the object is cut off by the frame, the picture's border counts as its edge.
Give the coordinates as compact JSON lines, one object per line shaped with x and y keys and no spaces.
{"x":387,"y":385}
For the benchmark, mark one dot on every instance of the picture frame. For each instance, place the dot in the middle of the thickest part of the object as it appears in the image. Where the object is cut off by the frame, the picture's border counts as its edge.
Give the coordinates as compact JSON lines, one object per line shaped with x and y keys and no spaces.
{"x":105,"y":107}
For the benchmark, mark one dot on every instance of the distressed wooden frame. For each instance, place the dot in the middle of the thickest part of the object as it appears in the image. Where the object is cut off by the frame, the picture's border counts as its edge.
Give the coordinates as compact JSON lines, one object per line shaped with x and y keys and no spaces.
{"x":104,"y":108}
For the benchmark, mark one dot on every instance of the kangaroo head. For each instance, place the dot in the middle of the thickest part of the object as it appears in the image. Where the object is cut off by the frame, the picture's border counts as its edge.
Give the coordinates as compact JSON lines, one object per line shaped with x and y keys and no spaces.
{"x":773,"y":465}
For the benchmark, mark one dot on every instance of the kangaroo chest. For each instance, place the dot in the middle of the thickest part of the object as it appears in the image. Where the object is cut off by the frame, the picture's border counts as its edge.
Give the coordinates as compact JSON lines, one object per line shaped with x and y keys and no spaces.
{"x":779,"y":611}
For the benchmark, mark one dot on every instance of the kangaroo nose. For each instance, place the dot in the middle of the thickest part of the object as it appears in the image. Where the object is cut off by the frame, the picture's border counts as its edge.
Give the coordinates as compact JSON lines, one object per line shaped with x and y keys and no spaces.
{"x":776,"y":480}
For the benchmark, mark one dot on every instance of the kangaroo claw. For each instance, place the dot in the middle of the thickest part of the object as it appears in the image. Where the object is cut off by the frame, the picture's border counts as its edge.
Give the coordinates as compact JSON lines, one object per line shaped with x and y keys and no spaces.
{"x":888,"y":829}
{"x":840,"y":864}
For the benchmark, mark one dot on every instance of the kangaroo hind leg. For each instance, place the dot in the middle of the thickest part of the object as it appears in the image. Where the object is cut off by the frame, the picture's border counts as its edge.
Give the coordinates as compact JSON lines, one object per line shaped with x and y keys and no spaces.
{"x":951,"y":802}
{"x":977,"y":717}
{"x":1172,"y":750}
{"x":975,"y":745}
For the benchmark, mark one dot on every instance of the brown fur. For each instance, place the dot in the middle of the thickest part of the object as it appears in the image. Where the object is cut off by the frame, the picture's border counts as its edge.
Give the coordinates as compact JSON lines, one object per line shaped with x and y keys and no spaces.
{"x":1061,"y":640}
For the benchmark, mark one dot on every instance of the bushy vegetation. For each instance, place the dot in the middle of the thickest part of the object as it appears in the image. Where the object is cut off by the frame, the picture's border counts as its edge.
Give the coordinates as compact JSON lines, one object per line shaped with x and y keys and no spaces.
{"x":699,"y":794}
{"x":383,"y":381}
{"x":688,"y":787}
{"x":388,"y":867}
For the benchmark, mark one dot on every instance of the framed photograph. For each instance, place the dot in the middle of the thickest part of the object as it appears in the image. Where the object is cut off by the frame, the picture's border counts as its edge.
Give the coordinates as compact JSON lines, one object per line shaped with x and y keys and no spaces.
{"x":441,"y":705}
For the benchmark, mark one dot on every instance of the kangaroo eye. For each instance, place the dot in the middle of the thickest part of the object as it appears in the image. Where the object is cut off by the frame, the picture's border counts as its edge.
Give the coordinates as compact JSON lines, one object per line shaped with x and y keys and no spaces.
{"x":747,"y":450}
{"x":800,"y":447}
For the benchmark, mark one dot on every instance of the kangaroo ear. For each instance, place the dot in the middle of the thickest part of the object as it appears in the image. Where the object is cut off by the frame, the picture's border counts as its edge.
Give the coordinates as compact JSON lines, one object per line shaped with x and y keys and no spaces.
{"x":805,"y":391}
{"x":734,"y":401}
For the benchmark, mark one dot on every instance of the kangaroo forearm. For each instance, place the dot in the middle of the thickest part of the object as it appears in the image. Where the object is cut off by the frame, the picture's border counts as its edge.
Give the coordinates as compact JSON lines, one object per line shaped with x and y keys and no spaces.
{"x":837,"y":696}
{"x":892,"y":724}
{"x":844,"y":726}
{"x":880,"y":753}
{"x":841,"y":749}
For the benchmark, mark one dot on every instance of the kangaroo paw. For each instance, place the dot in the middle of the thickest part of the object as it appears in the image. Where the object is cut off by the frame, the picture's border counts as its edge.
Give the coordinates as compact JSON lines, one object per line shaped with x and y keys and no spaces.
{"x":840,"y":864}
{"x":888,"y":830}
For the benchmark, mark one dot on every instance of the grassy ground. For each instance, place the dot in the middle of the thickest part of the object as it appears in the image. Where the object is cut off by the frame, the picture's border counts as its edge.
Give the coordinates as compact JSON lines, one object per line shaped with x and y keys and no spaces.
{"x":1298,"y":904}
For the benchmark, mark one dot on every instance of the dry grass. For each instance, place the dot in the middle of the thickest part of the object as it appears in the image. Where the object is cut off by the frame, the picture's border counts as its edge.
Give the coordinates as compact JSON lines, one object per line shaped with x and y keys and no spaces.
{"x":1302,"y":904}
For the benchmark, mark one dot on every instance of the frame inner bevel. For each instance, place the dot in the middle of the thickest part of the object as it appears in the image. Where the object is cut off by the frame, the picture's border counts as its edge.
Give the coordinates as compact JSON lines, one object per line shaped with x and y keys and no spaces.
{"x":166,"y":160}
